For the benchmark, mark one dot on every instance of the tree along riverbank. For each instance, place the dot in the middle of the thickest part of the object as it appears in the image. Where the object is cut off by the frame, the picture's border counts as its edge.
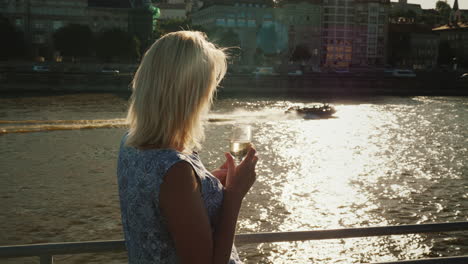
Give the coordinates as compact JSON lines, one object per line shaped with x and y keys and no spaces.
{"x":327,"y":84}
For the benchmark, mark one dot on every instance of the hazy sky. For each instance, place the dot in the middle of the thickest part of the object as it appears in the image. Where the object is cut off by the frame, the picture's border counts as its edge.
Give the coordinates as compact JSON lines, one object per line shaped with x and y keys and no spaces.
{"x":426,"y":4}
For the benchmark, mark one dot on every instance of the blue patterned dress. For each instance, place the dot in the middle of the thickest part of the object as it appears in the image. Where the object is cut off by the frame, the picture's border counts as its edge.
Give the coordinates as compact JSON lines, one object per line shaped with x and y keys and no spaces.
{"x":140,"y":174}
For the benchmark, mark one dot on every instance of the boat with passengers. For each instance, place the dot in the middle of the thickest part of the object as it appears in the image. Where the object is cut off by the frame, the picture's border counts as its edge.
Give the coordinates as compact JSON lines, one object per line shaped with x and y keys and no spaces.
{"x":313,"y":112}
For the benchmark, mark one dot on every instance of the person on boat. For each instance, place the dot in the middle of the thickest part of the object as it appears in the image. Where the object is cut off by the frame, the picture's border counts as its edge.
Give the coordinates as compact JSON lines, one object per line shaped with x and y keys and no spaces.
{"x":174,"y":210}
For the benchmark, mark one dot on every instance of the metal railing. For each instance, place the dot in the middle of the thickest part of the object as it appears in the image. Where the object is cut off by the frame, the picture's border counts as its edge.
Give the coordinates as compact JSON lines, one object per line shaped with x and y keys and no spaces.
{"x":46,"y":251}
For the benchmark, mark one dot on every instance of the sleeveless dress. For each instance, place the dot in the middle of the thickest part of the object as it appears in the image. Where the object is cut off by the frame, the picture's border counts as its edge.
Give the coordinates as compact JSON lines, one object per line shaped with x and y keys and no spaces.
{"x":140,"y":174}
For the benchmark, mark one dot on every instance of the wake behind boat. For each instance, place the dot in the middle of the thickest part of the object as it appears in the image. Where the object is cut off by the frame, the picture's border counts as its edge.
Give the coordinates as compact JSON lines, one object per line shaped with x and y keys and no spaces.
{"x":314,"y":112}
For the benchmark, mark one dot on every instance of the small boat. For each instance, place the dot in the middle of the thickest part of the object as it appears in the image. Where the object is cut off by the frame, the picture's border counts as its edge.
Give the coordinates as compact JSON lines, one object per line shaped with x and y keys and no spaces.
{"x":314,"y":112}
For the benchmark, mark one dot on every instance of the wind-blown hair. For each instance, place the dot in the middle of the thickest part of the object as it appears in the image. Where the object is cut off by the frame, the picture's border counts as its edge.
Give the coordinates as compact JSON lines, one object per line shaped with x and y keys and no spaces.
{"x":172,"y":89}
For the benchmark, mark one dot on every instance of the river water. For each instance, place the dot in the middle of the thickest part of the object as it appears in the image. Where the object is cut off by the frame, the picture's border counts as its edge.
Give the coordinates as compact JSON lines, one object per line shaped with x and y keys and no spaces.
{"x":380,"y":161}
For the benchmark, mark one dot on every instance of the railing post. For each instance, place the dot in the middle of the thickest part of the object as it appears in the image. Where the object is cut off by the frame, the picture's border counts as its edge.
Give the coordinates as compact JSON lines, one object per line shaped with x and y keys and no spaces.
{"x":47,"y":259}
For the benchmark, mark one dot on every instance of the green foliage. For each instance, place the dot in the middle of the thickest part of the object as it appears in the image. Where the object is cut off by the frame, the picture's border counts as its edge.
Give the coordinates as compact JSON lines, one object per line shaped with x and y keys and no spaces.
{"x":301,"y":53}
{"x":444,"y":11}
{"x":115,"y":44}
{"x":74,"y":40}
{"x":12,"y":43}
{"x":442,"y":6}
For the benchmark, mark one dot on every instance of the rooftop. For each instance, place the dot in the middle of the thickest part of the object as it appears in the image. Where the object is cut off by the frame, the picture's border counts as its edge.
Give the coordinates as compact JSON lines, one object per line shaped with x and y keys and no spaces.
{"x":110,"y":3}
{"x":458,"y":26}
{"x":171,"y":6}
{"x":410,"y":28}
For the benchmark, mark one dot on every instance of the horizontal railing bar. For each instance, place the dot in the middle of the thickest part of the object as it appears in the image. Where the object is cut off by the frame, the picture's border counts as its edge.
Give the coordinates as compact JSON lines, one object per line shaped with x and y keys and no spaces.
{"x":119,"y":245}
{"x":447,"y":260}
{"x":66,"y":248}
{"x":349,"y":233}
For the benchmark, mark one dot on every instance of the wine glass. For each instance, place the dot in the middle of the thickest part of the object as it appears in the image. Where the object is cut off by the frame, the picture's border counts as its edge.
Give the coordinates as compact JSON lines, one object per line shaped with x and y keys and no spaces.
{"x":240,"y":140}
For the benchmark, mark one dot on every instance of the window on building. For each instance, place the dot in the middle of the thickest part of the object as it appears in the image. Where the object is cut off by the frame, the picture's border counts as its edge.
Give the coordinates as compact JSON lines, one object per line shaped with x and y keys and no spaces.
{"x":39,"y":25}
{"x":39,"y":39}
{"x":56,"y":25}
{"x":220,"y":22}
{"x":241,"y":22}
{"x":382,"y":19}
{"x":267,"y":23}
{"x":231,"y":22}
{"x":19,"y":22}
{"x":251,"y":23}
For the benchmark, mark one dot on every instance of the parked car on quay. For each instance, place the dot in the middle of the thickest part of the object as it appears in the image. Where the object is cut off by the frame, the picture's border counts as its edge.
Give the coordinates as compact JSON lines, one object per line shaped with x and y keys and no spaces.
{"x":264,"y":71}
{"x":40,"y":68}
{"x":110,"y":71}
{"x":341,"y":70}
{"x":464,"y":76}
{"x":295,"y":73}
{"x":404,"y":73}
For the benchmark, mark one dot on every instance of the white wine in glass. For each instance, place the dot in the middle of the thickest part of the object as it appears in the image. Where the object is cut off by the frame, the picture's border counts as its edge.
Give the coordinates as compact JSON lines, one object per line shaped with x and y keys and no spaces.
{"x":240,"y":140}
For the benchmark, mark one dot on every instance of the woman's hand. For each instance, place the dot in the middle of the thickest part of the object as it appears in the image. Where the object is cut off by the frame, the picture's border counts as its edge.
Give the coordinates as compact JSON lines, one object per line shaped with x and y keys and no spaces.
{"x":221,"y":173}
{"x":240,"y":178}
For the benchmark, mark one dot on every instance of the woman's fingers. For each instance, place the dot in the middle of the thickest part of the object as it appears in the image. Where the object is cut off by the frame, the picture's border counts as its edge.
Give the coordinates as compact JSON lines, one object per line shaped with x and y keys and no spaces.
{"x":230,"y":164}
{"x":250,"y":155}
{"x":254,"y":161}
{"x":224,"y":166}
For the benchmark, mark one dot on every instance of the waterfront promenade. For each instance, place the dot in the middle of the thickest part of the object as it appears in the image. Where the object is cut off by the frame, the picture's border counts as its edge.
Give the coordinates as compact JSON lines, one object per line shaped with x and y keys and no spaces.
{"x":326,"y":84}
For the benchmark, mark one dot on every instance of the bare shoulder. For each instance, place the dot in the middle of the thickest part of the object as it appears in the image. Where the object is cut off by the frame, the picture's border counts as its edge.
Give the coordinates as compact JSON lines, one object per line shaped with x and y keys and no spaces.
{"x":179,"y":179}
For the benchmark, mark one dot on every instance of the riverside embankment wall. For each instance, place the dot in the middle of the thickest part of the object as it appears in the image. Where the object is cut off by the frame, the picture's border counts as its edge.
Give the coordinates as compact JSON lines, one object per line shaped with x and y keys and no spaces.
{"x":314,"y":84}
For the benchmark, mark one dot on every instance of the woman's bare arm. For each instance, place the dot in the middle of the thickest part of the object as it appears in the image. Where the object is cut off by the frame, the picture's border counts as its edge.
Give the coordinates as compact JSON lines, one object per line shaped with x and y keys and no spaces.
{"x":182,"y":205}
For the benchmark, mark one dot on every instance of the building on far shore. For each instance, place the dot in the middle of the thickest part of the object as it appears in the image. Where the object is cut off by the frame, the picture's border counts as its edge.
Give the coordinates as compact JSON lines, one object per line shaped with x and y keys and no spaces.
{"x":370,"y":32}
{"x":174,"y":9}
{"x":104,"y":15}
{"x":303,"y":21}
{"x":413,"y":46}
{"x":39,"y":19}
{"x":455,"y":35}
{"x":403,"y":7}
{"x":354,"y":32}
{"x":252,"y":21}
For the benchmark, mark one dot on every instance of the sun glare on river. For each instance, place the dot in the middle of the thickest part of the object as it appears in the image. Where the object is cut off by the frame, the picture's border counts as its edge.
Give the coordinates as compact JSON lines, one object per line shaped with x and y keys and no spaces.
{"x":319,"y":186}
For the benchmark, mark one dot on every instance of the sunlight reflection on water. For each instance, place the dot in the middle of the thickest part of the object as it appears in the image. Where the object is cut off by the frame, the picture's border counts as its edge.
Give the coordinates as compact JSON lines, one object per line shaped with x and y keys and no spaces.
{"x":366,"y":167}
{"x":380,"y":161}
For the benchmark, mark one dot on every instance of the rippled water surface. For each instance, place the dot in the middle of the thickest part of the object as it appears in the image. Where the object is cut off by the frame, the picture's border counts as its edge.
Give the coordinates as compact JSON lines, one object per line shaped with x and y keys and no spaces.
{"x":380,"y":161}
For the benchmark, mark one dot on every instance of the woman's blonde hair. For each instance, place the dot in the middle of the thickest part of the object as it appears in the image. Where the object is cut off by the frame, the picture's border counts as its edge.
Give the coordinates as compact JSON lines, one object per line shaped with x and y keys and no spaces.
{"x":172,"y":89}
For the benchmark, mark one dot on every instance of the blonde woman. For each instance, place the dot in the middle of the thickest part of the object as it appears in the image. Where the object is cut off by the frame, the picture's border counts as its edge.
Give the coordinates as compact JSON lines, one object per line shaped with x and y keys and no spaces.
{"x":173,"y":209}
